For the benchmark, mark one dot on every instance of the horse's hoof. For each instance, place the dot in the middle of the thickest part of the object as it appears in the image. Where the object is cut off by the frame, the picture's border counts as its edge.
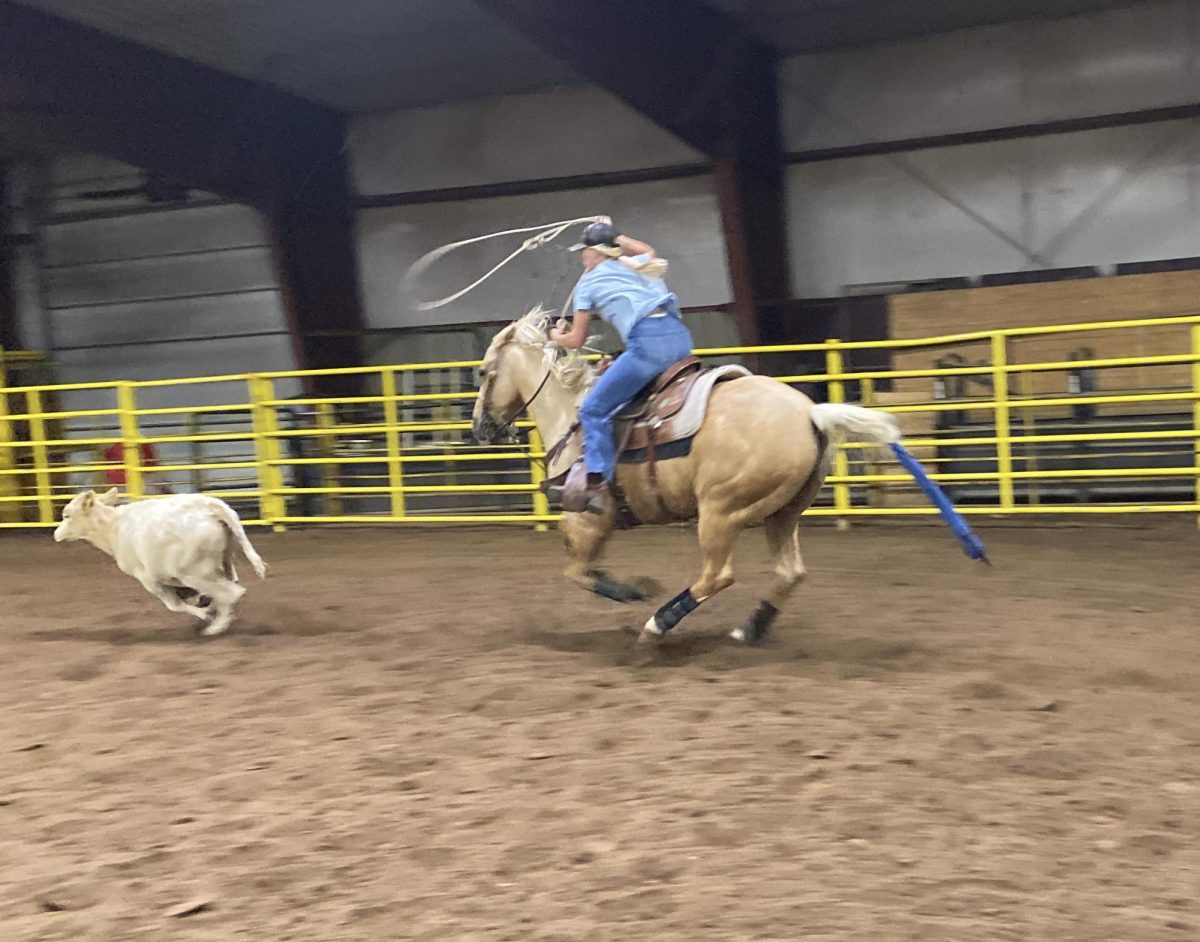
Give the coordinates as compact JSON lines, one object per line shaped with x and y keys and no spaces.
{"x":614,"y":591}
{"x":749,"y":634}
{"x":757,"y":626}
{"x":651,"y":633}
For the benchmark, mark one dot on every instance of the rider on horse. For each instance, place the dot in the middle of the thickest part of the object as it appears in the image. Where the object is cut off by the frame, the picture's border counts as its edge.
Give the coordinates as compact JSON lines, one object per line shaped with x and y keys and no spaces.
{"x":622,"y":285}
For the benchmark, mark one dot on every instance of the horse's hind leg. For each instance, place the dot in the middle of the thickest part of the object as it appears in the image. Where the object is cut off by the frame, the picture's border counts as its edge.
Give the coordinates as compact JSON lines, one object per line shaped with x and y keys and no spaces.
{"x":716,"y":543}
{"x":783,"y":541}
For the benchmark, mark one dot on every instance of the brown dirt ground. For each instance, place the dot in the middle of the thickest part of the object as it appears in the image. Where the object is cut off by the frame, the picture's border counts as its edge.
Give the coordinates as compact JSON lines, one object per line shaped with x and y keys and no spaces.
{"x":431,"y":735}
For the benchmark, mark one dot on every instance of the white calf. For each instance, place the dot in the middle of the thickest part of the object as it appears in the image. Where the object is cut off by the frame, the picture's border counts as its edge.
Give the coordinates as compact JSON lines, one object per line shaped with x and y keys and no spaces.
{"x":169,"y":544}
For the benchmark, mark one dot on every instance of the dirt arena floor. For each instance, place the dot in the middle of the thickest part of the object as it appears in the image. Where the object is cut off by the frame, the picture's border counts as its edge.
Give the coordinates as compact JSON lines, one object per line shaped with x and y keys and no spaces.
{"x":430,"y":735}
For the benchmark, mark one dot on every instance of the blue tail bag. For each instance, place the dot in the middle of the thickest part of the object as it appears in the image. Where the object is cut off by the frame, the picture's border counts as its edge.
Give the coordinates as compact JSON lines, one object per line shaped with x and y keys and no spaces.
{"x":958,"y":525}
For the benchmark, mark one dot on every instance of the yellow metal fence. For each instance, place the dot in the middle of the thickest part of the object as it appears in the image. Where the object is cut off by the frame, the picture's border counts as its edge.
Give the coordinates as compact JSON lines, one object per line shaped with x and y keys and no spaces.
{"x":1019,"y":423}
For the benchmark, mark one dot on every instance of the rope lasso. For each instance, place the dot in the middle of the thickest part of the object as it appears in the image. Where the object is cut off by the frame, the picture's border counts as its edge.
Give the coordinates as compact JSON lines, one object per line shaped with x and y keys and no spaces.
{"x":545,"y":233}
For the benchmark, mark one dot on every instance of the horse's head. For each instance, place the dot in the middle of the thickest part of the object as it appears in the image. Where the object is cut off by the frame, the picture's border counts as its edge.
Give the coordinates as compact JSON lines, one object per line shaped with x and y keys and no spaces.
{"x":519,"y":364}
{"x":499,"y":398}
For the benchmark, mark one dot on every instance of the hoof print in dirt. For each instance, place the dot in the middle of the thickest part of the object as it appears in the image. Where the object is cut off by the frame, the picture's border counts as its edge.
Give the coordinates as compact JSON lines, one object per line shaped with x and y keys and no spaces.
{"x":648,"y":587}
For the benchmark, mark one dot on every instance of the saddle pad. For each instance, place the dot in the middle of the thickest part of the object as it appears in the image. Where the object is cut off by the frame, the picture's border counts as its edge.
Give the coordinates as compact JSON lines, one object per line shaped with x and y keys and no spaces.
{"x":687,"y":421}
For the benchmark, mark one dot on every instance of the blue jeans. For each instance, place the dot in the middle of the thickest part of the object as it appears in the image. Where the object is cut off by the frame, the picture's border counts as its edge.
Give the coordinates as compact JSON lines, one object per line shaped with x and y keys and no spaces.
{"x":653,"y":344}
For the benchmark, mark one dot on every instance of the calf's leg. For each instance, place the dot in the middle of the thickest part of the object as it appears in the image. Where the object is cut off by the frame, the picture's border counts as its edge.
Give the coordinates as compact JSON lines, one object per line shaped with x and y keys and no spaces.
{"x":169,"y":596}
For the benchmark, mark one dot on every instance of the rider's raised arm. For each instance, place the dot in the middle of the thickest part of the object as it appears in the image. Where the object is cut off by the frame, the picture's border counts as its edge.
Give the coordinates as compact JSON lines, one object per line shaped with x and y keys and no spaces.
{"x":632,"y":246}
{"x":576,"y":336}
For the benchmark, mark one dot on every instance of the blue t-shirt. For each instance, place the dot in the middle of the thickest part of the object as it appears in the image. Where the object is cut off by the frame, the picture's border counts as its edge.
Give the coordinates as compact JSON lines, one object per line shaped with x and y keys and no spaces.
{"x":622,"y":297}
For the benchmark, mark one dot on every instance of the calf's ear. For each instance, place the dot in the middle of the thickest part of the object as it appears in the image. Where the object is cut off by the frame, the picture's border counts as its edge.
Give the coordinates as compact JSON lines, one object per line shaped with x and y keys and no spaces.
{"x":89,"y":498}
{"x":111,"y":498}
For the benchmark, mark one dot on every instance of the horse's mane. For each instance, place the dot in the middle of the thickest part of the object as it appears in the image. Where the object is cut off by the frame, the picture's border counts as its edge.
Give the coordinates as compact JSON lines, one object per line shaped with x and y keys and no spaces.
{"x":532,"y":330}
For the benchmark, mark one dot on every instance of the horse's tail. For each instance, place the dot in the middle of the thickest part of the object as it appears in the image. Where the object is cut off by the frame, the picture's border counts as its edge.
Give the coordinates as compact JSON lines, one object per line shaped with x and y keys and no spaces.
{"x":839,"y":422}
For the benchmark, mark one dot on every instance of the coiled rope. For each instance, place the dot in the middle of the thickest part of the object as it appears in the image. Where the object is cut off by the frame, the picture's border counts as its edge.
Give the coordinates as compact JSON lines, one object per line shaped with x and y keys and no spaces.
{"x":544,"y":233}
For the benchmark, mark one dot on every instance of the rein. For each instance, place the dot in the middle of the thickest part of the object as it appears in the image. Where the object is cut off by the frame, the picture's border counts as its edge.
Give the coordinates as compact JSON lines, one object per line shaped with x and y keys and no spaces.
{"x":528,"y":402}
{"x":552,"y":453}
{"x":507,"y":424}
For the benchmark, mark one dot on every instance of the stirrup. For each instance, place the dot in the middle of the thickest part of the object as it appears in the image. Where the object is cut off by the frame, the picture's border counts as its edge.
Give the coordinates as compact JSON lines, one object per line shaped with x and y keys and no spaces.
{"x":576,"y":495}
{"x":596,"y":502}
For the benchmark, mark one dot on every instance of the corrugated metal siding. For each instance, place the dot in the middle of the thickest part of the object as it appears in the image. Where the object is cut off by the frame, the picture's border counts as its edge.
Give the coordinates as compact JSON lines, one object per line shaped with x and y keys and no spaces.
{"x":1091,"y":198}
{"x":678,"y":217}
{"x":136,"y":291}
{"x":1141,"y":57}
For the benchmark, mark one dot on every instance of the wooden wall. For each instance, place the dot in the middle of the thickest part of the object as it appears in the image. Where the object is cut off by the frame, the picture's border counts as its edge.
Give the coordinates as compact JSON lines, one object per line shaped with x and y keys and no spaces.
{"x":1065,"y":302}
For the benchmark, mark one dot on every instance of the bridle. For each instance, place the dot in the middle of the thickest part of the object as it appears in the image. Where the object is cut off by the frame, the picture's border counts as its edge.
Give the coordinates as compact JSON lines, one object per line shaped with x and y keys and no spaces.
{"x":505,"y":427}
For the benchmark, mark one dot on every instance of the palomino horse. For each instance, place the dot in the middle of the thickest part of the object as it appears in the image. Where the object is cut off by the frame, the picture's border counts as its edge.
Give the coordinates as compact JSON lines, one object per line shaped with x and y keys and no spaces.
{"x":760,"y":456}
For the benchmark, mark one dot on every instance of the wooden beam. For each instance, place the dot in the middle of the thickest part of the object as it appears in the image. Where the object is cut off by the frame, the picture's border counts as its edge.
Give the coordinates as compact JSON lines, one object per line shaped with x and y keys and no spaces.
{"x":679,"y":62}
{"x":215,"y":131}
{"x":316,"y":260}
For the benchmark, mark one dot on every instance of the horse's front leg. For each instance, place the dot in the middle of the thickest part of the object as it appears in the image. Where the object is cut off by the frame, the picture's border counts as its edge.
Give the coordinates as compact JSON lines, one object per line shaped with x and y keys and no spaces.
{"x":586,"y":536}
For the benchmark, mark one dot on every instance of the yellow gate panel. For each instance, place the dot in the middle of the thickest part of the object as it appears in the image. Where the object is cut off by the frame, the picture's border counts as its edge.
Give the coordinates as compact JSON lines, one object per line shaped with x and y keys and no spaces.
{"x":1004,"y":434}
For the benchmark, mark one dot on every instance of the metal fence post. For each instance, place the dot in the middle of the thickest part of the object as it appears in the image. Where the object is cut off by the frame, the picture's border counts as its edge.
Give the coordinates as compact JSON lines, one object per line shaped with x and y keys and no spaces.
{"x":327,"y":449}
{"x":41,"y":456}
{"x":253,"y":393}
{"x":391,"y":417}
{"x":131,"y":439}
{"x":1029,"y":456}
{"x":275,"y":451}
{"x":1196,"y":408}
{"x":1004,"y":463}
{"x":835,"y":367}
{"x":10,"y":511}
{"x":264,"y":422}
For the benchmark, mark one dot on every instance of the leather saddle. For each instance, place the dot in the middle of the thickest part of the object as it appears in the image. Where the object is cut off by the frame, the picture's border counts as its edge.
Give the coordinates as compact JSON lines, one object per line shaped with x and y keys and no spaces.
{"x":649,"y":418}
{"x":658,"y":424}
